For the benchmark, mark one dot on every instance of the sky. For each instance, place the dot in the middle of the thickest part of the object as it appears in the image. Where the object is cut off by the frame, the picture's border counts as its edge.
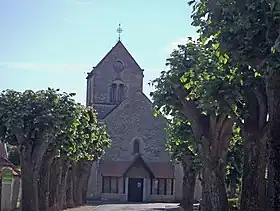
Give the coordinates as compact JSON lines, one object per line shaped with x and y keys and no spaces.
{"x":55,"y":43}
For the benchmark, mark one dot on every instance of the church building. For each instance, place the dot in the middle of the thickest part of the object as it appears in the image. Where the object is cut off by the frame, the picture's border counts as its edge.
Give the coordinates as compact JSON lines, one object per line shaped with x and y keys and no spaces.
{"x":136,"y":167}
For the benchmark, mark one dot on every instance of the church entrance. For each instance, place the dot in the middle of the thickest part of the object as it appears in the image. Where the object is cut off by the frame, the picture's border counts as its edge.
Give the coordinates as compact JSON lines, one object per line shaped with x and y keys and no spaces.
{"x":135,"y":189}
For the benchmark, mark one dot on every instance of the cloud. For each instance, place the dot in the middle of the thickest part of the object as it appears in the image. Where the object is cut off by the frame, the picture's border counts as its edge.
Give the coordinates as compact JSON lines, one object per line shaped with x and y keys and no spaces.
{"x":45,"y":67}
{"x":179,"y":41}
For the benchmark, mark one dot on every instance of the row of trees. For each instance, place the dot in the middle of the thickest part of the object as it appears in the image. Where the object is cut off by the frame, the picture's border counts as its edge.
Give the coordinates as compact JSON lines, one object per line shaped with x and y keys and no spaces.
{"x":222,"y":91}
{"x":57,"y":140}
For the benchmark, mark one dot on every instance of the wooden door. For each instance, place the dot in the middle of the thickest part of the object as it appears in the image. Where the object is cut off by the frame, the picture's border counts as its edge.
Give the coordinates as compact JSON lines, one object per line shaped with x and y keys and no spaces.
{"x":135,"y":189}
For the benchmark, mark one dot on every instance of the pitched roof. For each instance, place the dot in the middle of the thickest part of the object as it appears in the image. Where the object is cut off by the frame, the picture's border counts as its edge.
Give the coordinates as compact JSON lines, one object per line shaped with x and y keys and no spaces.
{"x":139,"y":160}
{"x":118,"y":44}
{"x":120,"y":168}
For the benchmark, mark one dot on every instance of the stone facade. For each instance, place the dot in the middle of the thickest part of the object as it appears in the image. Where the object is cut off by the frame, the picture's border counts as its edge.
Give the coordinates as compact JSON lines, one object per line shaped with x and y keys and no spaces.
{"x":136,"y":167}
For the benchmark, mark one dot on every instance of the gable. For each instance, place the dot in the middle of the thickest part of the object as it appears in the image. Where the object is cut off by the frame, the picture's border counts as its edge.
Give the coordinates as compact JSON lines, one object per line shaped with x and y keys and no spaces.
{"x":118,"y":53}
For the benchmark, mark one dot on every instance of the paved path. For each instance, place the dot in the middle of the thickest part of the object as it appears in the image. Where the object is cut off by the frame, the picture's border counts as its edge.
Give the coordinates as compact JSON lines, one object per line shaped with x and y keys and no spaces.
{"x":135,"y":207}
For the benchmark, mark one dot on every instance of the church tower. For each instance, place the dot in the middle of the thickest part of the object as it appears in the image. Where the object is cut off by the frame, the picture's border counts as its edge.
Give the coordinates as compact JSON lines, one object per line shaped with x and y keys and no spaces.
{"x":116,"y":77}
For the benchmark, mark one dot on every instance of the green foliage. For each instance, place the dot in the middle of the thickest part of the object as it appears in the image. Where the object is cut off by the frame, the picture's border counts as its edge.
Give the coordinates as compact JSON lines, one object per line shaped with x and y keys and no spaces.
{"x":214,"y":85}
{"x":180,"y":140}
{"x":85,"y":138}
{"x":246,"y":30}
{"x":53,"y":119}
{"x":35,"y":116}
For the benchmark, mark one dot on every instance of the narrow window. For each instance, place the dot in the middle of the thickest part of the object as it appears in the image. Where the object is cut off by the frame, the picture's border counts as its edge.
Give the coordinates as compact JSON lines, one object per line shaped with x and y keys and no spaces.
{"x":114,"y":185}
{"x":161,"y":186}
{"x":165,"y":186}
{"x":113,"y":93}
{"x":121,"y":93}
{"x":172,"y":187}
{"x":155,"y":187}
{"x":106,"y":185}
{"x":124,"y":185}
{"x":136,"y":146}
{"x":169,"y":186}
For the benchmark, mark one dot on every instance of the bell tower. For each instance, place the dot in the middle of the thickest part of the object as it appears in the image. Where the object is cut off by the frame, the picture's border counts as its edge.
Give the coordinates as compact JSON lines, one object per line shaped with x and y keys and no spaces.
{"x":116,"y":77}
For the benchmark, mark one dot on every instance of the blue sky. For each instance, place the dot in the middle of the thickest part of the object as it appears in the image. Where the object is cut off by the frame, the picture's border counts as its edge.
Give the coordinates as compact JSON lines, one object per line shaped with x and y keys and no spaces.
{"x":55,"y":43}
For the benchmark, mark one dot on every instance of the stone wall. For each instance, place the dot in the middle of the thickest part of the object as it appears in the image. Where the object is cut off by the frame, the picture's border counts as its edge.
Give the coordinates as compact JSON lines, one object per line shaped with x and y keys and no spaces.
{"x":134,"y":119}
{"x":105,"y":74}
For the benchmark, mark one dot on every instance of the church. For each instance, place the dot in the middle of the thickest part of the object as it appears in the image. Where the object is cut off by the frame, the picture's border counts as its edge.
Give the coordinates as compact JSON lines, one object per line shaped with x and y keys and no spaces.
{"x":136,"y":167}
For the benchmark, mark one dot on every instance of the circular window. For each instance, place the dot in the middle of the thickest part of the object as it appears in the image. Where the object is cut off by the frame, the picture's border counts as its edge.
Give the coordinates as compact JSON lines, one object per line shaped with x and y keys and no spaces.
{"x":118,"y":66}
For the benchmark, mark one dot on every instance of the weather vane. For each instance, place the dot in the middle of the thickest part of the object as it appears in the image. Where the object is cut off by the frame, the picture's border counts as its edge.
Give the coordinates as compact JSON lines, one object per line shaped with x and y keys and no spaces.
{"x":119,"y":30}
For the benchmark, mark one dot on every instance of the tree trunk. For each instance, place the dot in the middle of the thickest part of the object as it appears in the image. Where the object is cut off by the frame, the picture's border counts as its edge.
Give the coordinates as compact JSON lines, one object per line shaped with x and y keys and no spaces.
{"x":62,"y":183}
{"x":270,"y":189}
{"x":81,"y":177}
{"x":273,"y":92}
{"x":44,"y":179}
{"x":87,"y":169}
{"x":253,"y":181}
{"x":31,"y":154}
{"x":55,"y":178}
{"x":69,"y":188}
{"x":214,"y":191}
{"x":188,"y":183}
{"x":29,"y":176}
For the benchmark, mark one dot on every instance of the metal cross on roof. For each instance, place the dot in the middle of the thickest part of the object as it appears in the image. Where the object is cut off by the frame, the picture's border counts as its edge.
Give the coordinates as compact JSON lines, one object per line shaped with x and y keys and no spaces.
{"x":119,"y":30}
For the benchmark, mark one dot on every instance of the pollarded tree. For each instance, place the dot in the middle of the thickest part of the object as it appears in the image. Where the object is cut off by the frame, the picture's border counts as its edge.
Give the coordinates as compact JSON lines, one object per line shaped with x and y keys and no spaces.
{"x":83,"y":141}
{"x":211,"y":125}
{"x":31,"y":120}
{"x":182,"y":147}
{"x":93,"y":140}
{"x":248,"y":33}
{"x":240,"y":91}
{"x":46,"y":124}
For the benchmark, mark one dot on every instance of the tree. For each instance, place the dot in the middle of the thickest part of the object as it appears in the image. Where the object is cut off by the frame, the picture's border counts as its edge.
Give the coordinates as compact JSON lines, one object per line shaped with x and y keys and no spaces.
{"x":212,"y":127}
{"x":239,"y":91}
{"x":31,"y":119}
{"x":246,"y":33}
{"x":44,"y":121}
{"x":181,"y":145}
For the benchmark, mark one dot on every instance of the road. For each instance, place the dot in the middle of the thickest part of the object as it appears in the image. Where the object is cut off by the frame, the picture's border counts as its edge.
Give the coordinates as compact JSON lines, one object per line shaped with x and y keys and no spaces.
{"x":137,"y":207}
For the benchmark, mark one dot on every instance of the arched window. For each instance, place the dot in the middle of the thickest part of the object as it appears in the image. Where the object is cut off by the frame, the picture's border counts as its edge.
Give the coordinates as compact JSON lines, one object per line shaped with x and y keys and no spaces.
{"x":113,"y":93}
{"x":136,"y":146}
{"x":121,"y":93}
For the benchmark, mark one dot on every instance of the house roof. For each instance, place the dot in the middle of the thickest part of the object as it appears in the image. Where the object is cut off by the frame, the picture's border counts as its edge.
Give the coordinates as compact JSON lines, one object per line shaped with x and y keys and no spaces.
{"x":139,"y":160}
{"x":118,"y":44}
{"x":120,"y":168}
